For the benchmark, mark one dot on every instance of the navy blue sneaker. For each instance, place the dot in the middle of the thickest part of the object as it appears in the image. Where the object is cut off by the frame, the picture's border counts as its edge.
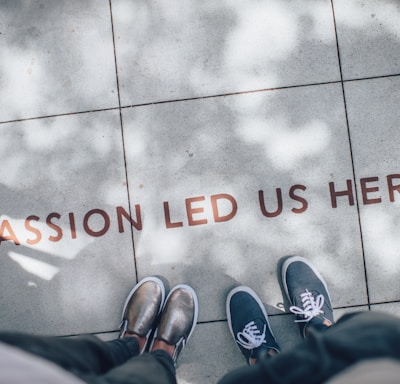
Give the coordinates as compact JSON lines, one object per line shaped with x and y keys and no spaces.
{"x":307,"y":293}
{"x":248,"y":323}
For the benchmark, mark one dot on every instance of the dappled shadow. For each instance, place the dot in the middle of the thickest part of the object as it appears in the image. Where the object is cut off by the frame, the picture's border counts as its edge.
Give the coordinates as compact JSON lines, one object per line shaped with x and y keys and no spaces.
{"x":368,"y":36}
{"x":56,"y":58}
{"x":242,"y":144}
{"x":54,"y":172}
{"x":191,"y":49}
{"x":236,"y":144}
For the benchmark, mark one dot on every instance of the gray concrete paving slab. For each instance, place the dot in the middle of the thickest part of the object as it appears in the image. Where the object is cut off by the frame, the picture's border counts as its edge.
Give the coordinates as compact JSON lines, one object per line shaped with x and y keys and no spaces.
{"x":392,"y":308}
{"x":368,"y":36}
{"x":65,"y":265}
{"x":221,"y":187}
{"x":185,"y":49}
{"x":196,"y":169}
{"x":56,"y":57}
{"x":373,"y":118}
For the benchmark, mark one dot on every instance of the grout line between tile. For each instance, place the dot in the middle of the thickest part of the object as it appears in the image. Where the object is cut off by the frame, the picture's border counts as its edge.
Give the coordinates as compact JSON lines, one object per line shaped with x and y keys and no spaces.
{"x":291,"y":314}
{"x":59,"y":115}
{"x":371,"y":78}
{"x":230,"y":94}
{"x":123,"y":139}
{"x":196,"y":98}
{"x":352,"y":158}
{"x":225,"y":320}
{"x":385,"y":302}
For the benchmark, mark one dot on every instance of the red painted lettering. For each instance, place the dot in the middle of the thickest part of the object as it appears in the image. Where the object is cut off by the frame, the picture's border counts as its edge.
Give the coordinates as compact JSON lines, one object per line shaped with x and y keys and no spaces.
{"x":33,"y":230}
{"x":262,"y":204}
{"x":100,"y":232}
{"x":214,"y":203}
{"x":55,"y":227}
{"x":72,"y":225}
{"x":193,"y":211}
{"x":136,"y":224}
{"x":5,"y":226}
{"x":392,"y":187}
{"x":348,"y":192}
{"x":365,"y":190}
{"x":167,"y":216}
{"x":293,"y":196}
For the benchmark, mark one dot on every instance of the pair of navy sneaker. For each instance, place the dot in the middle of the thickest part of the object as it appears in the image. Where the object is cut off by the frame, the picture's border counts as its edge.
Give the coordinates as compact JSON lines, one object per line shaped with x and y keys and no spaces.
{"x":308,"y":295}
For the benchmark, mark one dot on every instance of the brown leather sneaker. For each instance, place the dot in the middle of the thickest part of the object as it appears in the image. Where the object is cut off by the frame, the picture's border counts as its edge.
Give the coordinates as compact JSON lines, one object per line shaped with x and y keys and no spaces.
{"x":142,"y":308}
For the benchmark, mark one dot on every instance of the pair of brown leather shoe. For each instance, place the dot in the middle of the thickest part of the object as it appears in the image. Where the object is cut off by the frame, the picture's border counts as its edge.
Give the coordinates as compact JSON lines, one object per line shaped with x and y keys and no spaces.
{"x":150,"y":314}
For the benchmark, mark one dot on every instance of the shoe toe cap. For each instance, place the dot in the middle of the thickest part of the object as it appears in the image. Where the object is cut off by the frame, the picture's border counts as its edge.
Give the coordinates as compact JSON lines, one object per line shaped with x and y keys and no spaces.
{"x":143,"y":308}
{"x":179,"y":316}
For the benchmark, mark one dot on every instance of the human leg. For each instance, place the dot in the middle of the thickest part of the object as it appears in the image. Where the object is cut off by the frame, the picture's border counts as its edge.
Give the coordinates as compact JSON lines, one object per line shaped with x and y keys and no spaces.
{"x":83,"y":355}
{"x":148,"y":368}
{"x":178,"y":320}
{"x":87,"y":355}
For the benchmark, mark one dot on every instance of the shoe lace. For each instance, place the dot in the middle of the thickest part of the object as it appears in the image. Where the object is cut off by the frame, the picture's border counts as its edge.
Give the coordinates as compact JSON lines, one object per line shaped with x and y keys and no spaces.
{"x":251,"y":337}
{"x":311,"y":306}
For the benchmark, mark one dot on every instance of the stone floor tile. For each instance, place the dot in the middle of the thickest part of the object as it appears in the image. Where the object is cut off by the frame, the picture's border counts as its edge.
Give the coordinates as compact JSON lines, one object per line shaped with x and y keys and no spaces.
{"x":195,"y":171}
{"x":62,"y":180}
{"x":373,"y":117}
{"x":221,"y":188}
{"x":56,"y":57}
{"x":368,"y":35}
{"x":339,"y":312}
{"x":185,"y":49}
{"x":393,"y":308}
{"x":107,"y":336}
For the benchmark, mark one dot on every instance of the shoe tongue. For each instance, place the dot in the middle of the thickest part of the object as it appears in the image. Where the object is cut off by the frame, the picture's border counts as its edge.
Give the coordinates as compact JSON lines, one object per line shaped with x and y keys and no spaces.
{"x":260,"y":325}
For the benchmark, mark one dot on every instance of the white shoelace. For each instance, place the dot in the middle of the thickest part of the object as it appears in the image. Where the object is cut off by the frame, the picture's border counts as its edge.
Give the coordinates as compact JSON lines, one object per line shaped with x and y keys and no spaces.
{"x":251,"y":337}
{"x":311,"y":306}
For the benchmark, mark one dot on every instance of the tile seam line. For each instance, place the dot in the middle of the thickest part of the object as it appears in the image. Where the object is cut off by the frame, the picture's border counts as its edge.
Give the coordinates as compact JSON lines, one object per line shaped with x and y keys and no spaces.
{"x":196,"y":98}
{"x":290,"y":313}
{"x":60,"y":115}
{"x":224,"y":319}
{"x":123,"y":138}
{"x":256,"y":91}
{"x":228,"y":94}
{"x":352,"y":157}
{"x":167,"y":101}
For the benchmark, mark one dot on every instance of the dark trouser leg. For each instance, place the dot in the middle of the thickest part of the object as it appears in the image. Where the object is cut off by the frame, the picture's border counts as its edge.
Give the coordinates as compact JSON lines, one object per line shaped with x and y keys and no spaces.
{"x":353,"y":338}
{"x":83,"y":355}
{"x":150,"y":368}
